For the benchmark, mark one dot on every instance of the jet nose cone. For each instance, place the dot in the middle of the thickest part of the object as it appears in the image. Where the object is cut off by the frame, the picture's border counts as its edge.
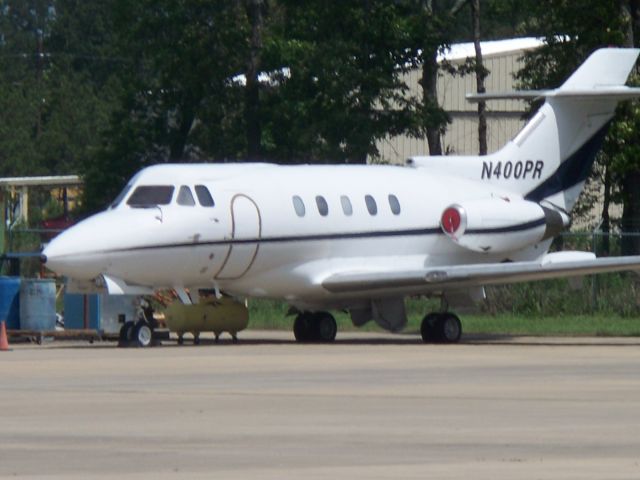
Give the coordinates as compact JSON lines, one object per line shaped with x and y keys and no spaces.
{"x":49,"y":255}
{"x":70,"y":253}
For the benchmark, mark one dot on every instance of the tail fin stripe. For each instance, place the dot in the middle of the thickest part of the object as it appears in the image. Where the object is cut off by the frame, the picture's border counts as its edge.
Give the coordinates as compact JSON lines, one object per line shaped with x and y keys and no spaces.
{"x":573,"y":170}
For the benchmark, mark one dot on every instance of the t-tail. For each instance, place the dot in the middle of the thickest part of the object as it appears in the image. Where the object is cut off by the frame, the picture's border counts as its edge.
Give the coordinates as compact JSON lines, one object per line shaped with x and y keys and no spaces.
{"x":550,"y":159}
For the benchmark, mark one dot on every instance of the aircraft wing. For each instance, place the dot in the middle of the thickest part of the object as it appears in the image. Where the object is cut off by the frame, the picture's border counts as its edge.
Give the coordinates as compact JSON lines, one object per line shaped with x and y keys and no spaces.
{"x":462,"y":276}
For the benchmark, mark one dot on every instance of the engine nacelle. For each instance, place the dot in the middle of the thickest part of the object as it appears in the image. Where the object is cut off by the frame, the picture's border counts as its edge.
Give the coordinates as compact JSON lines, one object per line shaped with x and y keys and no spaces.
{"x":500,"y":225}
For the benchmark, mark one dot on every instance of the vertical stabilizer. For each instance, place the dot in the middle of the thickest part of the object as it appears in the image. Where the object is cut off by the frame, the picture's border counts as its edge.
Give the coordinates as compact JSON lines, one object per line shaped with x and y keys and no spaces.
{"x":560,"y":143}
{"x":552,"y":155}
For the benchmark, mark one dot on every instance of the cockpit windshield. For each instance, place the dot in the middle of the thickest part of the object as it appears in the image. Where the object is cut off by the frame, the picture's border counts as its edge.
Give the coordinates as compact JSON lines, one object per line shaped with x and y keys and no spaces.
{"x":120,"y":196}
{"x":151,"y":196}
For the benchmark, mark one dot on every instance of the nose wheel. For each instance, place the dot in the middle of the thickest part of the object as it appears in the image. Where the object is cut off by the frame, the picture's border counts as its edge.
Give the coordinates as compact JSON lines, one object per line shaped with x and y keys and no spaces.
{"x":317,"y":327}
{"x":441,"y":328}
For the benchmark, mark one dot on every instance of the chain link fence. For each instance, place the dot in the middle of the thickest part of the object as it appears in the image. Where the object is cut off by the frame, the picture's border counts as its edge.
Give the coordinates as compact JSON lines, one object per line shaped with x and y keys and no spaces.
{"x":611,"y":293}
{"x":614,"y":293}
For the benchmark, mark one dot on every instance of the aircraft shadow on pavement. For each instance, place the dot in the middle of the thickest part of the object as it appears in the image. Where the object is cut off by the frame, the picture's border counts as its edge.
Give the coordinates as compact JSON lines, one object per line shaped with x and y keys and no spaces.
{"x":402,"y":339}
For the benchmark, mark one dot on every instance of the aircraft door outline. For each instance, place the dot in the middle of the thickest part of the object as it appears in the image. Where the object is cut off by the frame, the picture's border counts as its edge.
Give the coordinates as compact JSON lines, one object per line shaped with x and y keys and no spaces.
{"x":246,"y":225}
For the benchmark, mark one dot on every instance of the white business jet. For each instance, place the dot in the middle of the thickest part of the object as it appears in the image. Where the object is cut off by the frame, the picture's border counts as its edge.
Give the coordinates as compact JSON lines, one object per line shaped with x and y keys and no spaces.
{"x":362,"y":238}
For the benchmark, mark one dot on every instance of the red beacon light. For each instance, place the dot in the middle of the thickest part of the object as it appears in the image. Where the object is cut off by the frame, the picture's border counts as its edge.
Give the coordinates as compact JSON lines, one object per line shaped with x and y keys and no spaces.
{"x":452,"y":219}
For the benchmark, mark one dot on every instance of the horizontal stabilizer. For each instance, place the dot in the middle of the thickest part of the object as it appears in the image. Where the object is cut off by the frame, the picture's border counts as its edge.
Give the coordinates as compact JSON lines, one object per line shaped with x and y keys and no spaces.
{"x":603,"y":75}
{"x":614,"y":93}
{"x":514,"y":95}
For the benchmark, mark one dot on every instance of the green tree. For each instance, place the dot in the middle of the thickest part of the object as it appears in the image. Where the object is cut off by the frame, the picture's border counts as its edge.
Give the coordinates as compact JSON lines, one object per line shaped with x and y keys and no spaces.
{"x":179,"y":100}
{"x":54,"y":85}
{"x":343,"y":88}
{"x":24,"y":28}
{"x":106,"y":88}
{"x":287,"y":81}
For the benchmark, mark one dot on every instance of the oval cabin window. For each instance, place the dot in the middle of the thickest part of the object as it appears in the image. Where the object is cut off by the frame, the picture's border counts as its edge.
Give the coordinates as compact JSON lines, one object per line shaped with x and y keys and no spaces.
{"x":372,"y":207}
{"x":323,"y":207}
{"x":394,"y":204}
{"x":298,"y":206}
{"x":347,"y":208}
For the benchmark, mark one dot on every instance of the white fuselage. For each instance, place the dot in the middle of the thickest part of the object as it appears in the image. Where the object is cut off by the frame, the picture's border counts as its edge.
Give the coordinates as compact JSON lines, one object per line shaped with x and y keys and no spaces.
{"x":253,"y":241}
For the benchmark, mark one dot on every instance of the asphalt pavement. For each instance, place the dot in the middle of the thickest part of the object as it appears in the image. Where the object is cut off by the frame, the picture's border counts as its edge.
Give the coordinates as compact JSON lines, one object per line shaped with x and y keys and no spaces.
{"x":367,"y":406}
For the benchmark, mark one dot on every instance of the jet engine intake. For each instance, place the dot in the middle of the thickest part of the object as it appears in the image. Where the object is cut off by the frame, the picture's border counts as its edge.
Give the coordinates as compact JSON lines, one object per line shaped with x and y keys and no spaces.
{"x":501,"y":224}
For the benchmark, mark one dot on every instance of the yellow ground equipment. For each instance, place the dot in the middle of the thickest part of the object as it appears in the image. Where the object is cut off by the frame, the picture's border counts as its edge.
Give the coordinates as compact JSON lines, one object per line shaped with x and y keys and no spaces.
{"x":215,"y":315}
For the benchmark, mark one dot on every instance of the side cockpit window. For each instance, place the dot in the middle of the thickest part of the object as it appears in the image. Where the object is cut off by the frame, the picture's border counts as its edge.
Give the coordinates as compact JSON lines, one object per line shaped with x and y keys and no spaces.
{"x":151,"y":196}
{"x":204,"y":196}
{"x":185,"y":197}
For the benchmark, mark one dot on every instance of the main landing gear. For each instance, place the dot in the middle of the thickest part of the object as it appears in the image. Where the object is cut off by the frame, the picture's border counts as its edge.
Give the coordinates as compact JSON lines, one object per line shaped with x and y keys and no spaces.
{"x":315,"y":327}
{"x":442,"y":327}
{"x":320,"y":327}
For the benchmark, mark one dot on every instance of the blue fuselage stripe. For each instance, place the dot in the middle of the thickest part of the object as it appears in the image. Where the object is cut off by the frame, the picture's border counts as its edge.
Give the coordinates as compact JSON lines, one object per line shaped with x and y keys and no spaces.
{"x":572,"y":171}
{"x":338,"y":236}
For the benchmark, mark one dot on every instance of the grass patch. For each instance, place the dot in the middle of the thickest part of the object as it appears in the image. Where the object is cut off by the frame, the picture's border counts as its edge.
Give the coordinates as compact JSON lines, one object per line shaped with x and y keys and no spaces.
{"x":566,"y":325}
{"x":272,"y":315}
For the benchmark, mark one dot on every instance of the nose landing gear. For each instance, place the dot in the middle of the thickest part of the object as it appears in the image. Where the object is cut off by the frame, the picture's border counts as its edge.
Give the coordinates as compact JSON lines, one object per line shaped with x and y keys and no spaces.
{"x":139,"y":333}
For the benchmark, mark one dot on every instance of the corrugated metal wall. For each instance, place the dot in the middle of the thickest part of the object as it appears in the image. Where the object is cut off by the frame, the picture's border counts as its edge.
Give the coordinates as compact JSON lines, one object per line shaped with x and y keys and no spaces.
{"x":504,"y":117}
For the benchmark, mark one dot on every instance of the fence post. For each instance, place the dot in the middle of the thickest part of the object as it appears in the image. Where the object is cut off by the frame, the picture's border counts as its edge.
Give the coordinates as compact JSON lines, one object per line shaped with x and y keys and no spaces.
{"x":594,"y":278}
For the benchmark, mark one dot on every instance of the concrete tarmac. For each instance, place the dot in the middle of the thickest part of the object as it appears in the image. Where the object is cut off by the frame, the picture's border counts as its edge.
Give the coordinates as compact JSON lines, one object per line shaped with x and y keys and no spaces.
{"x":368,"y":406}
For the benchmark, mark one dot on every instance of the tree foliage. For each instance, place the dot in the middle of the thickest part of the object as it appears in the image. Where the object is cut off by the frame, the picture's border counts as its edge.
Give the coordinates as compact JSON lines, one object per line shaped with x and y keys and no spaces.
{"x":328,"y":86}
{"x":343,"y":89}
{"x":106,"y":88}
{"x":55,"y":95}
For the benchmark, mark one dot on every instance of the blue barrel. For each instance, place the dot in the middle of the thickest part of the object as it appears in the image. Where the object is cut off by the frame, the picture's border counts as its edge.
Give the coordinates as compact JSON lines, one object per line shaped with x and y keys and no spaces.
{"x":38,"y":304}
{"x":9,"y":302}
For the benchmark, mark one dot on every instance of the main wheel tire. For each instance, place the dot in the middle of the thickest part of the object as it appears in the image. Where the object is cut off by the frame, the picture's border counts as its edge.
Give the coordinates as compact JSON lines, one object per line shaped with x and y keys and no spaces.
{"x":449,"y":328}
{"x":143,"y":334}
{"x":429,"y":327}
{"x":302,"y":327}
{"x":324,"y":327}
{"x":126,"y":334}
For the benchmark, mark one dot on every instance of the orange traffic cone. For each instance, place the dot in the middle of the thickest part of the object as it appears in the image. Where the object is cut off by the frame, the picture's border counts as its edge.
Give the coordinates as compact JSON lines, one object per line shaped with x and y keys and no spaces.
{"x":4,"y":342}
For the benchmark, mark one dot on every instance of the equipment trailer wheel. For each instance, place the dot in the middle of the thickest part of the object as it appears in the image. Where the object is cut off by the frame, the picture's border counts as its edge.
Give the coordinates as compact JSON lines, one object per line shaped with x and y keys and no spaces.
{"x":143,"y":334}
{"x":126,"y":334}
